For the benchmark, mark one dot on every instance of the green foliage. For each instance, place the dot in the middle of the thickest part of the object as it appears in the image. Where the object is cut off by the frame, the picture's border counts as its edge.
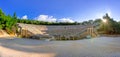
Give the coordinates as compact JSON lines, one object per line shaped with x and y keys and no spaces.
{"x":110,"y":26}
{"x":7,"y":22}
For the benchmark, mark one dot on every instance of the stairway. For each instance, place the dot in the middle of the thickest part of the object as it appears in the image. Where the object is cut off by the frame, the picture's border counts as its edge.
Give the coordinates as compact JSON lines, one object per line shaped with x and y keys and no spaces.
{"x":58,"y":31}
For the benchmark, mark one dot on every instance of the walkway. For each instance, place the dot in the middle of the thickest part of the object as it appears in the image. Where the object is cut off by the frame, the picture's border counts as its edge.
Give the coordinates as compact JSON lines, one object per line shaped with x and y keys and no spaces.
{"x":97,"y":47}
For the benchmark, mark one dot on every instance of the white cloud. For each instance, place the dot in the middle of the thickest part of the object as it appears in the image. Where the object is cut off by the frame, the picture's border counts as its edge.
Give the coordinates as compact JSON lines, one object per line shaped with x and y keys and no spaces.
{"x":24,"y":17}
{"x":46,"y":18}
{"x":52,"y":19}
{"x":66,"y":20}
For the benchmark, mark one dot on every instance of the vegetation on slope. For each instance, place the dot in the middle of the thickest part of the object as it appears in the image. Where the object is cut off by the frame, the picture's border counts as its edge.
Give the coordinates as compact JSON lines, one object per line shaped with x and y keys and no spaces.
{"x":8,"y":22}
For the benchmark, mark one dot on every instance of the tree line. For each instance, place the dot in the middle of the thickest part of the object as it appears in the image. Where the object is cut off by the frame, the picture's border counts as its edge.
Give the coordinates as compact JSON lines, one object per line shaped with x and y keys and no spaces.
{"x":36,"y":22}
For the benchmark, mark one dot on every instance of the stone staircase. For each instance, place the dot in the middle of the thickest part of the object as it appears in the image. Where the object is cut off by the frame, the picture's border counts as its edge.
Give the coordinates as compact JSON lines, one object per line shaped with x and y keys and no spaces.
{"x":44,"y":31}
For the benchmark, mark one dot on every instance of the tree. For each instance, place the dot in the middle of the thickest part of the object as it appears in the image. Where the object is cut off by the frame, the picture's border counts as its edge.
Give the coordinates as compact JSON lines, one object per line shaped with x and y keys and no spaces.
{"x":7,"y":22}
{"x":1,"y":12}
{"x":110,"y":26}
{"x":90,"y":22}
{"x":14,"y":15}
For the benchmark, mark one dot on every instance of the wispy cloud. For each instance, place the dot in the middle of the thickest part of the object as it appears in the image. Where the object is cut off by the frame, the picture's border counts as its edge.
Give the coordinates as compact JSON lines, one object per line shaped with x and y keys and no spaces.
{"x":24,"y":17}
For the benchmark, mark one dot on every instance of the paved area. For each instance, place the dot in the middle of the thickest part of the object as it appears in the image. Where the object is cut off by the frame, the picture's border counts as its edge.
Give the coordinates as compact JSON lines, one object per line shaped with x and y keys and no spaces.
{"x":97,"y":47}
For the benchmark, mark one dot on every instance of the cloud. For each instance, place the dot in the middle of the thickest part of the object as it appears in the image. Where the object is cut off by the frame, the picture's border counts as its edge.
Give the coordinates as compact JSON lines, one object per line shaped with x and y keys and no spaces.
{"x":24,"y":17}
{"x":66,"y":20}
{"x":46,"y":18}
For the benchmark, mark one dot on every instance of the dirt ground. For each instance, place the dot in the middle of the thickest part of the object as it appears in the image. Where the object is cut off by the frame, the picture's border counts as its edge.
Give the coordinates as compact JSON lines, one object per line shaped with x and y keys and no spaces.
{"x":96,"y":47}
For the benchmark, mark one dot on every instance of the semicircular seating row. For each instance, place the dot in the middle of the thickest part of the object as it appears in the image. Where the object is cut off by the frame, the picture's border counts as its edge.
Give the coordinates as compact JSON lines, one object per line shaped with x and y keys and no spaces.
{"x":68,"y":30}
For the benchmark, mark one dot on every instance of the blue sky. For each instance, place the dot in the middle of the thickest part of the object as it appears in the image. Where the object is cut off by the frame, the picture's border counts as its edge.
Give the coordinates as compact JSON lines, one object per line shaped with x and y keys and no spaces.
{"x":62,"y":10}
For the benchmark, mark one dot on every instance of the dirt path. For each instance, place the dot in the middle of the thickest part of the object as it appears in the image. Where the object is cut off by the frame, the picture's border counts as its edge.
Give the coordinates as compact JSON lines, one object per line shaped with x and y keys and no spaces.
{"x":5,"y":52}
{"x":97,"y":47}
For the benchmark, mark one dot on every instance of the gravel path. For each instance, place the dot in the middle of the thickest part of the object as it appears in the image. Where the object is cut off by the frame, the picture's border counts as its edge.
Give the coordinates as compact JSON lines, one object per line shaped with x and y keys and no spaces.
{"x":96,"y":47}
